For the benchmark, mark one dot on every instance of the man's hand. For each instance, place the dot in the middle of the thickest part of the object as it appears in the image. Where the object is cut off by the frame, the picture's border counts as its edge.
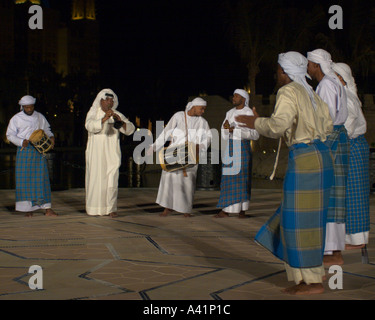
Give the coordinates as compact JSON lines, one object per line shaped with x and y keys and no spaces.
{"x":227,"y":126}
{"x":247,"y":121}
{"x":25,"y":143}
{"x":53,"y":141}
{"x":108,"y":114}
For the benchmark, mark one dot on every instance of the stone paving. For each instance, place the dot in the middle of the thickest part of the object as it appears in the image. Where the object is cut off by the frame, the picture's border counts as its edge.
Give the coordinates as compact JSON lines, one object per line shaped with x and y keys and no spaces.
{"x":141,"y":256}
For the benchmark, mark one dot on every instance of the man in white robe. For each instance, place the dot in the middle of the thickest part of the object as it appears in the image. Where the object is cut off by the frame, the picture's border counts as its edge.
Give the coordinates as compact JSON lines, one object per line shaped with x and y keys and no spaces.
{"x":33,"y":191}
{"x":235,"y":190}
{"x":333,"y":93}
{"x":103,"y":153}
{"x":177,"y":188}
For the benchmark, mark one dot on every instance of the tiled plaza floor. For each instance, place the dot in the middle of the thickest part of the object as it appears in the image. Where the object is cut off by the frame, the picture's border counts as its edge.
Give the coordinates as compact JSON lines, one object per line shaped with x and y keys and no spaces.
{"x":141,"y":256}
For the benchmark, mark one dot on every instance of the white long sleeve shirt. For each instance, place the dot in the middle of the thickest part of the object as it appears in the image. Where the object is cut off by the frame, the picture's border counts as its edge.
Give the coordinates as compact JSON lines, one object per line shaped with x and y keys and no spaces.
{"x":355,"y":124}
{"x":240,"y":133}
{"x":21,"y":126}
{"x":334,"y":95}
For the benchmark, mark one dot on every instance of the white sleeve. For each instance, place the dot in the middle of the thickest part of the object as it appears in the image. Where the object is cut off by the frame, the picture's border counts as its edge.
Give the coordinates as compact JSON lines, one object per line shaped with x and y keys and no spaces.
{"x":165,"y":135}
{"x":329,"y":96}
{"x":12,"y":133}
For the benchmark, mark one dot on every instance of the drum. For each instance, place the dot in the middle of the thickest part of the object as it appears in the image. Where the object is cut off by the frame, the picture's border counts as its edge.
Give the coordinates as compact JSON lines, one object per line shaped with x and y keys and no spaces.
{"x":178,"y":157}
{"x":40,"y":141}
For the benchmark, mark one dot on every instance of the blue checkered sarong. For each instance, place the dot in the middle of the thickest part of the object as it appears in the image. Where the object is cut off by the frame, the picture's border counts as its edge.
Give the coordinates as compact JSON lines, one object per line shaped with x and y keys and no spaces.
{"x":235,"y":186}
{"x":32,"y":179}
{"x":338,"y":142}
{"x":358,"y":187}
{"x":296,"y":232}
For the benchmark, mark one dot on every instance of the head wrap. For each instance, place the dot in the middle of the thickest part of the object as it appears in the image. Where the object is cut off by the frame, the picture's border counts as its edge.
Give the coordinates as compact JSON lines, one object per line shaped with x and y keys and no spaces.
{"x":344,"y":71}
{"x":196,"y":102}
{"x":103,"y":95}
{"x":244,"y":94}
{"x":26,"y":101}
{"x":294,"y":65}
{"x":323,"y":58}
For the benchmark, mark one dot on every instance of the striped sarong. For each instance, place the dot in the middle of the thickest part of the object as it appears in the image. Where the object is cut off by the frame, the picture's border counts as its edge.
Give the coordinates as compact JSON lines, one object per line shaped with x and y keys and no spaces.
{"x":358,"y":187}
{"x":338,"y":142}
{"x":296,"y":232}
{"x":235,"y":185}
{"x":32,"y":178}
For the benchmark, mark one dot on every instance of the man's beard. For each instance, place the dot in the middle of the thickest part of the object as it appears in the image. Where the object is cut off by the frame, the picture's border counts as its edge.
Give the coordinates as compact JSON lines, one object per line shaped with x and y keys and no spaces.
{"x":28,"y":113}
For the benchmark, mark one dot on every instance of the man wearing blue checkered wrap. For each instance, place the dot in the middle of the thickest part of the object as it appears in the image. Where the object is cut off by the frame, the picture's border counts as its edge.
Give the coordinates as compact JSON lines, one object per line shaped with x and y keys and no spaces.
{"x":333,"y":93}
{"x":33,"y":189}
{"x":235,"y":186}
{"x":296,"y":232}
{"x":357,"y":223}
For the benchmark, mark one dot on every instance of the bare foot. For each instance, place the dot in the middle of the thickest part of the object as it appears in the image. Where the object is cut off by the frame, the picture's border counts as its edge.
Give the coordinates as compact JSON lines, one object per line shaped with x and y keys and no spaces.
{"x":353,"y":247}
{"x":29,"y":214}
{"x":305,"y":289}
{"x":334,"y":259}
{"x":50,"y":213}
{"x":187,"y":215}
{"x":242,"y":215}
{"x":113,"y":215}
{"x":166,"y":212}
{"x":222,"y":214}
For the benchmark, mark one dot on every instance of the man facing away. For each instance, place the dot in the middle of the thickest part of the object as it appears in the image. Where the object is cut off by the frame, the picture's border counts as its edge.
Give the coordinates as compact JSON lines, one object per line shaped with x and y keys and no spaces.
{"x":333,"y":94}
{"x":296,"y":232}
{"x":33,"y":190}
{"x":103,"y":153}
{"x":235,"y":186}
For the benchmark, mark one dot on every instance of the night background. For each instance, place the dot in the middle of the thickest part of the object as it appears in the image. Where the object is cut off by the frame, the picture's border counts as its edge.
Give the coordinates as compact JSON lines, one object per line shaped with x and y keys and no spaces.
{"x":156,"y":55}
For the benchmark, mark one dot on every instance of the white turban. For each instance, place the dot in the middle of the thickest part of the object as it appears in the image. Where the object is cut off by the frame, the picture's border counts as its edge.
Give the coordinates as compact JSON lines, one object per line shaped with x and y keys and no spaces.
{"x":294,"y":65}
{"x":344,"y":71}
{"x":196,"y":102}
{"x":244,"y":94}
{"x":323,"y":58}
{"x":26,"y":101}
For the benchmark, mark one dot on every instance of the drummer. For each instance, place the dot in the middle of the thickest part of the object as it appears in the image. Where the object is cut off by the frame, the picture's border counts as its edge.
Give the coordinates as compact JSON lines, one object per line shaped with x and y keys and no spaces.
{"x":33,"y":189}
{"x":177,"y":188}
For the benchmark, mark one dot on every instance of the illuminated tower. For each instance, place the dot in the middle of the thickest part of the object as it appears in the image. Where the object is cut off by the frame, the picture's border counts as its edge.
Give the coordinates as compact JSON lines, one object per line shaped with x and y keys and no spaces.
{"x":83,"y":9}
{"x":83,"y":38}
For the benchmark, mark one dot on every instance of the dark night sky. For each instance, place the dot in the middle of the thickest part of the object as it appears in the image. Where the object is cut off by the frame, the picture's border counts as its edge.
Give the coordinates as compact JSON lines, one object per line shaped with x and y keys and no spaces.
{"x":171,"y":45}
{"x":156,"y":53}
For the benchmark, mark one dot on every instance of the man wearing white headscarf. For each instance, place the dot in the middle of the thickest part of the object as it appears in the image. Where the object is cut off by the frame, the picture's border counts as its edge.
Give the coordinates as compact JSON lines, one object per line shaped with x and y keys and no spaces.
{"x":33,"y":190}
{"x":235,"y":187}
{"x":103,"y":154}
{"x":333,"y":93}
{"x":177,"y":188}
{"x":357,"y":223}
{"x":295,"y":233}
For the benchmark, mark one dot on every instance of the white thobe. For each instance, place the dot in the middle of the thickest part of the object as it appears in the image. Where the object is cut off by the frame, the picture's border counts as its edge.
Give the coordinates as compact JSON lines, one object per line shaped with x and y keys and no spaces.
{"x":176,"y":191}
{"x":241,"y":133}
{"x":334,"y":95}
{"x":20,"y":127}
{"x":103,"y":160}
